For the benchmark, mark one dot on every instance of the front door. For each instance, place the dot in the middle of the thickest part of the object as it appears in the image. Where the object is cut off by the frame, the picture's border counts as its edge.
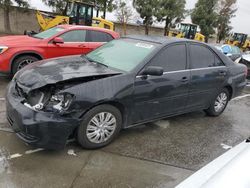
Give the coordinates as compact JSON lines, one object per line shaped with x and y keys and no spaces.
{"x":158,"y":96}
{"x":74,"y":44}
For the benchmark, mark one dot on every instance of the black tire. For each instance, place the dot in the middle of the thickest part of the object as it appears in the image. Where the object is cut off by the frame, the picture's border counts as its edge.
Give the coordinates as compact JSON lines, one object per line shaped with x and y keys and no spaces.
{"x":211,"y":111}
{"x":82,"y":137}
{"x":17,"y":62}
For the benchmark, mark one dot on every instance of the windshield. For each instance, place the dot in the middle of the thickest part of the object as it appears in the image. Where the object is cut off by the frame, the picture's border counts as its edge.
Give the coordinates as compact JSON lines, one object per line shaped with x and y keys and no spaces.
{"x":123,"y":54}
{"x":49,"y":33}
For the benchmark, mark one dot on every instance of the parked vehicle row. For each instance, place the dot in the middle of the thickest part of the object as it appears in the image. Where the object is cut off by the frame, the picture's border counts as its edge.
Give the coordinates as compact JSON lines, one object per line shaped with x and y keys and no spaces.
{"x":126,"y":82}
{"x":233,"y":52}
{"x":19,"y":51}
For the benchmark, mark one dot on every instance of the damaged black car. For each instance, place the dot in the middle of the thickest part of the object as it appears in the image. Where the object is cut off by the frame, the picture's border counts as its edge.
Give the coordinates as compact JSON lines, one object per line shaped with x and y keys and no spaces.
{"x":124,"y":83}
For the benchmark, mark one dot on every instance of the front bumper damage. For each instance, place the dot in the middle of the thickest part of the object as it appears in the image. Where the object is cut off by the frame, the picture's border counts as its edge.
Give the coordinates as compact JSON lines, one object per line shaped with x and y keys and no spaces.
{"x":38,"y":128}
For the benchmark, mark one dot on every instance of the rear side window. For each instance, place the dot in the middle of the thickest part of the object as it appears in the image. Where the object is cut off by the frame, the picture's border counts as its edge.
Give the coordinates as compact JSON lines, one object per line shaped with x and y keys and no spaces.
{"x":97,"y":36}
{"x":202,"y":57}
{"x":173,"y":58}
{"x":74,"y":36}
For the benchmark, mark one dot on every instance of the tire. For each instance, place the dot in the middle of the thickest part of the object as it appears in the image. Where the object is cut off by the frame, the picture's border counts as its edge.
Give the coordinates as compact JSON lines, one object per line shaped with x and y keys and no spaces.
{"x":22,"y":61}
{"x":212,"y":111}
{"x":87,"y":126}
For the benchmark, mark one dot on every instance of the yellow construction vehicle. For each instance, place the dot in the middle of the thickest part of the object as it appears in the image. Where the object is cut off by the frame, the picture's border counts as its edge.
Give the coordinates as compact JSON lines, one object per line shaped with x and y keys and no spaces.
{"x":76,"y":13}
{"x":188,"y":31}
{"x":240,"y":40}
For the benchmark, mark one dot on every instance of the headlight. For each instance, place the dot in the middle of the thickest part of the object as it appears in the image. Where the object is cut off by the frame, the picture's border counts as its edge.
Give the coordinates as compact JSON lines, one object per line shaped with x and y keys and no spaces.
{"x":3,"y":49}
{"x":60,"y":102}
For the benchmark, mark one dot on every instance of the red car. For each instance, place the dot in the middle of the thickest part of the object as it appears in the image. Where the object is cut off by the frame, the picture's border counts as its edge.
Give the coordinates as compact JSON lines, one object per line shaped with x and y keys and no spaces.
{"x":18,"y":51}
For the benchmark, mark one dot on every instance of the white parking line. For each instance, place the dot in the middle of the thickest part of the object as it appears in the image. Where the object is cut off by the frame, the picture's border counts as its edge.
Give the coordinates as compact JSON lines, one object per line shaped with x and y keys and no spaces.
{"x":7,"y":130}
{"x":15,"y":156}
{"x":33,"y":151}
{"x":241,"y":97}
{"x":2,"y":99}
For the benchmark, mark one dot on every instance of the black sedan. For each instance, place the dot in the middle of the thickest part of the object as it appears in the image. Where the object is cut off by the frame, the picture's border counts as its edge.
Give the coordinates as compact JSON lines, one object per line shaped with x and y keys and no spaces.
{"x":124,"y":83}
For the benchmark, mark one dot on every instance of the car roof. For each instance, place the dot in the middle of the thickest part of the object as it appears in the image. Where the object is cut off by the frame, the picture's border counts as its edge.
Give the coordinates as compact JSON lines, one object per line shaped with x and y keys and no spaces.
{"x":158,"y":39}
{"x":72,"y":27}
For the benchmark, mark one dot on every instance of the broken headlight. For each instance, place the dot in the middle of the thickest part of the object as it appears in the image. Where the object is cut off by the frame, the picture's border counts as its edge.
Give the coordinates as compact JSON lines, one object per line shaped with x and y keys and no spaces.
{"x":60,"y":102}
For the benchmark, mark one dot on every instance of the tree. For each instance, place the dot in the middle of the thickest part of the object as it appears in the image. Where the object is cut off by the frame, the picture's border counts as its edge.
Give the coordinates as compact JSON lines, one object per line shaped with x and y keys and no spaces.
{"x":59,"y":5}
{"x":6,"y":5}
{"x":124,"y":14}
{"x":146,"y":9}
{"x":204,"y":15}
{"x":56,"y":5}
{"x":226,"y":11}
{"x":106,"y":6}
{"x":170,"y":11}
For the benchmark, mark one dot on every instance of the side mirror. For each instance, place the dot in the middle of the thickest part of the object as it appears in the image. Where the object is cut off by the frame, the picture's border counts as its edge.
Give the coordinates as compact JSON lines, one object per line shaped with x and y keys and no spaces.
{"x":153,"y":71}
{"x":58,"y":40}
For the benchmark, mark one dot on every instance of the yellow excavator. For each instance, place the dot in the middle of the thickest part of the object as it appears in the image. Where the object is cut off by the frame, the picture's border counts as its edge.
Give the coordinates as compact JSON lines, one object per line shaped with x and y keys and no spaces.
{"x":188,"y":31}
{"x":240,"y":40}
{"x":75,"y":13}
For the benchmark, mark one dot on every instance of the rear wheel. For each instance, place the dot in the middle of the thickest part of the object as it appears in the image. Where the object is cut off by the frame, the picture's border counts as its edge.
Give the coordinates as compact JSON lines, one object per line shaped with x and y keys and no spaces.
{"x":219,"y":104}
{"x":99,"y":127}
{"x":22,"y":61}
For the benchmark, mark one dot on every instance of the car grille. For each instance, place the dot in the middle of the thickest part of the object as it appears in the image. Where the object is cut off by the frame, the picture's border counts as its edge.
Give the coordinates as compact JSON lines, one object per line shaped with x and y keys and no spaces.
{"x":11,"y":122}
{"x":27,"y":138}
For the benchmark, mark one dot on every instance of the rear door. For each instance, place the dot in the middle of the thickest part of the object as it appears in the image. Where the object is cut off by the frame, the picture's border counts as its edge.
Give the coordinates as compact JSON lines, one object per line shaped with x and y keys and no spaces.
{"x":74,"y":44}
{"x":208,"y":73}
{"x":97,"y":38}
{"x":158,"y":96}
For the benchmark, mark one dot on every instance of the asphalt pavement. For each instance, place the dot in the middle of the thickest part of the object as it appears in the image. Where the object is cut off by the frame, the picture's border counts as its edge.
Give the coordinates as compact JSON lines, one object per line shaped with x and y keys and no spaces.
{"x":159,"y":154}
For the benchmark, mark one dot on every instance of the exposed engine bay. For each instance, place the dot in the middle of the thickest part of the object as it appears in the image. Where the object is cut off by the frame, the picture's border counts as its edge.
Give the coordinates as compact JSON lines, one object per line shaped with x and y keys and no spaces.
{"x":50,"y":98}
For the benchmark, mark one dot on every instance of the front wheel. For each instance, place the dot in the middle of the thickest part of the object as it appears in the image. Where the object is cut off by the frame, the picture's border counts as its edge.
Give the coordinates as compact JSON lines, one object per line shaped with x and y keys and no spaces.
{"x":99,"y":127}
{"x":219,"y":104}
{"x":22,"y":61}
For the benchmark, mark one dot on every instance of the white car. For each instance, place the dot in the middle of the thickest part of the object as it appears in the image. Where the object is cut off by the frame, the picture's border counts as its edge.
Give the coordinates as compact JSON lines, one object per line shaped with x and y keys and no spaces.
{"x":231,"y":170}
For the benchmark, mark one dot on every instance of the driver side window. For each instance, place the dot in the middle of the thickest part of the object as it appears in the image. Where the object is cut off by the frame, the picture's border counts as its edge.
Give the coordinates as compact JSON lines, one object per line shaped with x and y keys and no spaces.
{"x":172,"y":58}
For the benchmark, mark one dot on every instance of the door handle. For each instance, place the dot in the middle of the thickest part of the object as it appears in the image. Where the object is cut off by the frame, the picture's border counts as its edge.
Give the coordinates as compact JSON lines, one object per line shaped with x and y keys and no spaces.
{"x":184,"y":79}
{"x":223,"y":73}
{"x":82,"y":45}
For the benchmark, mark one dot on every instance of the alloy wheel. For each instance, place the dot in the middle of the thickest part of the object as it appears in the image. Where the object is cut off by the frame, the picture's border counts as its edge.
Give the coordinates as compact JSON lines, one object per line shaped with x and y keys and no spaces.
{"x":24,"y":63}
{"x":220,"y":102}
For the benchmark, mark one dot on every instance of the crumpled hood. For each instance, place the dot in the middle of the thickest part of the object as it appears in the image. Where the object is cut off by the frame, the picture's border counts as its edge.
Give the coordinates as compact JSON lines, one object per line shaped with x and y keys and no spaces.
{"x":18,"y":40}
{"x":56,"y":70}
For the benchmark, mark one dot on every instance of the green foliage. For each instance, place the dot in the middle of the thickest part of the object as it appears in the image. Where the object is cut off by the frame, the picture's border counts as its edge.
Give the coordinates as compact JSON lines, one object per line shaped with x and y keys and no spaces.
{"x":226,"y":11}
{"x":204,"y":15}
{"x":56,"y":5}
{"x":59,"y":5}
{"x":170,"y":11}
{"x":146,"y":9}
{"x":20,"y":3}
{"x":106,"y":6}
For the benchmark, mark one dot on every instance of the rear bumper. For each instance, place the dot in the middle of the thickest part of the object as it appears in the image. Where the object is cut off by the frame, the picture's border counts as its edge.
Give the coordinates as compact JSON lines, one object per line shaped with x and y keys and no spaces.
{"x":38,"y":129}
